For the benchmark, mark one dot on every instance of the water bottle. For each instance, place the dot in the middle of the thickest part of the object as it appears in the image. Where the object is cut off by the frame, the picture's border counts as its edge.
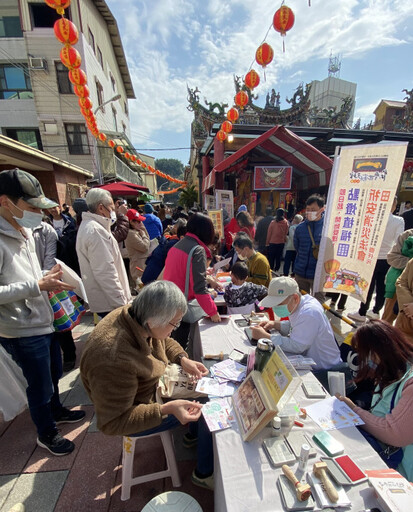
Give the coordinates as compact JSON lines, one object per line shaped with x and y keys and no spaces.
{"x":262,"y":353}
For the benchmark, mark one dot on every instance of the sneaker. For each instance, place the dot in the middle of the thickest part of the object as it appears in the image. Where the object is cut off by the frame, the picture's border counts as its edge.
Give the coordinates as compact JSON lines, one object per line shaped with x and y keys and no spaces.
{"x":205,"y":483}
{"x":66,"y":416}
{"x":56,"y":444}
{"x":332,"y":305}
{"x":355,"y":315}
{"x":189,"y":440}
{"x":372,"y":314}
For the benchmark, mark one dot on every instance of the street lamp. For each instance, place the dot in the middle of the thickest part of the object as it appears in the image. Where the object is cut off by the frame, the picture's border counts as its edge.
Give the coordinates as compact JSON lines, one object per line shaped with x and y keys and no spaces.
{"x":115,"y":98}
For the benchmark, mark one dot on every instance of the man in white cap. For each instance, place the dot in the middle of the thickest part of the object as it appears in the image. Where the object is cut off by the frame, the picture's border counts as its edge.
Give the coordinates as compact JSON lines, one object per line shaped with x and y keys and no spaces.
{"x":26,"y":317}
{"x":310,"y":332}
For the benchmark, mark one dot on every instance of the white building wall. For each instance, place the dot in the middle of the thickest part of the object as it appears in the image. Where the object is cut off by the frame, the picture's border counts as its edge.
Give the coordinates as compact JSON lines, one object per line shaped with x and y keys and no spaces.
{"x":330,"y":92}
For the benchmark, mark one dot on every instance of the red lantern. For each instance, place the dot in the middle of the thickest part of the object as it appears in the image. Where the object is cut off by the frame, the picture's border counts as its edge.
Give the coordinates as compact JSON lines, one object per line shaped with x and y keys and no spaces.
{"x":66,"y":31}
{"x":226,"y":126}
{"x":85,"y":112}
{"x":127,"y":155}
{"x":221,"y":135}
{"x":59,"y":5}
{"x":82,"y":91}
{"x":139,"y":162}
{"x":133,"y":158}
{"x":77,"y":77}
{"x":119,"y":149}
{"x":283,"y":21}
{"x":70,"y":57}
{"x":241,"y":99}
{"x":111,"y":143}
{"x":144,"y":165}
{"x":264,"y":55}
{"x":102,"y":137}
{"x":252,"y":79}
{"x":85,"y":103}
{"x":232,"y":115}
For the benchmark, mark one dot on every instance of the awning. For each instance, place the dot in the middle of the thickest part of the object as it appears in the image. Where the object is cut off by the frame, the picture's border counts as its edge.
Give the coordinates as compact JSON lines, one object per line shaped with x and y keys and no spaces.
{"x":279,"y":146}
{"x":124,"y":188}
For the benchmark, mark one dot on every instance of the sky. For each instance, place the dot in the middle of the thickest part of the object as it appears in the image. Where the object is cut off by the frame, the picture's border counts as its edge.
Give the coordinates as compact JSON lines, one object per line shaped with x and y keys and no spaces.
{"x":170,"y":44}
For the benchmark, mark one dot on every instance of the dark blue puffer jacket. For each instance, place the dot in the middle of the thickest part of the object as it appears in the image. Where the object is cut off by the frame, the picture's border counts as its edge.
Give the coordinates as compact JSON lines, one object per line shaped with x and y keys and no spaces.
{"x":305,"y":263}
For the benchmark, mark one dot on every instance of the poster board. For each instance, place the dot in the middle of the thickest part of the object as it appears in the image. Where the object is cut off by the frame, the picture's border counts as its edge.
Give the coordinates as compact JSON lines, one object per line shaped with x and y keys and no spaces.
{"x":362,"y":188}
{"x":209,"y":202}
{"x":272,"y":177}
{"x":218,"y":220}
{"x":224,"y":200}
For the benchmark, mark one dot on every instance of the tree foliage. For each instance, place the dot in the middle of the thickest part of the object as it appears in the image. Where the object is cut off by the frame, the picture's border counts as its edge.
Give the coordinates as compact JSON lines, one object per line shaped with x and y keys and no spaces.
{"x":171,"y":166}
{"x":188,"y":196}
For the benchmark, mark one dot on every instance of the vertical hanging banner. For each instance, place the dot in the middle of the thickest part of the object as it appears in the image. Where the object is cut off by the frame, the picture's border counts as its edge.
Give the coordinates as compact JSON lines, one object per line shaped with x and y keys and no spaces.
{"x":362,"y":188}
{"x":218,"y":221}
{"x":225,"y":201}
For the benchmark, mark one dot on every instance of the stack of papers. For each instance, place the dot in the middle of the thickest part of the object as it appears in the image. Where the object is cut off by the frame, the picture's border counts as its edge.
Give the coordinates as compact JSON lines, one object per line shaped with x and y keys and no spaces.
{"x":212,"y":387}
{"x":218,"y":414}
{"x":228,"y":370}
{"x":331,"y":414}
{"x":301,"y":362}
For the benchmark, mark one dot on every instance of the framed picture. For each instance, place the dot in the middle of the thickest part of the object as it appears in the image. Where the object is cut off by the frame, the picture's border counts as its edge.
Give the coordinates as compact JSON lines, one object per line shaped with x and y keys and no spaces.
{"x":273,"y":177}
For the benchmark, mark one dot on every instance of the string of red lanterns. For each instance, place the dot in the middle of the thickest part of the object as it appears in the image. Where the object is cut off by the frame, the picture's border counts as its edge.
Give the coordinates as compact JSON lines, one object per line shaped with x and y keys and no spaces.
{"x":67,"y":33}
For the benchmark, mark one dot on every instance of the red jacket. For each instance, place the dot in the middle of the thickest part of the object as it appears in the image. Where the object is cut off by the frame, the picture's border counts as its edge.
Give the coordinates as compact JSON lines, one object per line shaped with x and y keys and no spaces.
{"x":175,"y":271}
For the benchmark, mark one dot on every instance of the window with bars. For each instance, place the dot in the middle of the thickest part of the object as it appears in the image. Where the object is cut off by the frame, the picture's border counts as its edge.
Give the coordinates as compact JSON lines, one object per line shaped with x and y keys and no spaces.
{"x":77,"y":141}
{"x":64,"y":85}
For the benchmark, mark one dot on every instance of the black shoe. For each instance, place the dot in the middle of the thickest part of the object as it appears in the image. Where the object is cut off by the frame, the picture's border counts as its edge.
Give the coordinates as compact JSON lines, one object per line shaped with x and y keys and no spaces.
{"x":66,"y":416}
{"x":56,"y":444}
{"x":68,"y":365}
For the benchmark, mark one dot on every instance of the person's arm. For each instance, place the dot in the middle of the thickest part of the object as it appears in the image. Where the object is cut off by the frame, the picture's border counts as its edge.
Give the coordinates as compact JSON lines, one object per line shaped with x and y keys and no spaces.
{"x":137,"y":242}
{"x":395,"y":257}
{"x":159,"y":224}
{"x":199,"y":282}
{"x":259,"y":273}
{"x":269,"y":233}
{"x":50,"y":238}
{"x":121,"y":228}
{"x":300,"y":338}
{"x":396,"y":428}
{"x":404,"y":286}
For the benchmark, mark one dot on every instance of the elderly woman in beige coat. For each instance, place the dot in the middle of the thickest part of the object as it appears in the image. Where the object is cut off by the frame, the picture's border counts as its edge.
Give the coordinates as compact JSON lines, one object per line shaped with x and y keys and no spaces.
{"x":137,"y":244}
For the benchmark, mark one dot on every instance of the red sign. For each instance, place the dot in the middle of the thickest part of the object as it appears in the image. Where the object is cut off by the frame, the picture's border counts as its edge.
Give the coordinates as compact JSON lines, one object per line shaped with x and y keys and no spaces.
{"x":273,"y":178}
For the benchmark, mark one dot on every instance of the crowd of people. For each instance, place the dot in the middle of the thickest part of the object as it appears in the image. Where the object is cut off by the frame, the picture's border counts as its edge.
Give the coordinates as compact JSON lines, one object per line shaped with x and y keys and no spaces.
{"x":163,"y":258}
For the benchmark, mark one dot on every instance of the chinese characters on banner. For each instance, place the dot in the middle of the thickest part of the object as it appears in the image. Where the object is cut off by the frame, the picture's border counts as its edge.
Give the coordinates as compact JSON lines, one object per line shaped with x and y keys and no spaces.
{"x":225,"y":201}
{"x":218,"y":221}
{"x":363,"y":184}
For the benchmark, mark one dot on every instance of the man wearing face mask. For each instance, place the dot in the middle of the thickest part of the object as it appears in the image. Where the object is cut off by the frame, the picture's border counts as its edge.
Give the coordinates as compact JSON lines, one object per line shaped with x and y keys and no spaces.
{"x":101,"y":265}
{"x":259,"y":271}
{"x":308,"y":330}
{"x":26,"y":318}
{"x":307,"y":238}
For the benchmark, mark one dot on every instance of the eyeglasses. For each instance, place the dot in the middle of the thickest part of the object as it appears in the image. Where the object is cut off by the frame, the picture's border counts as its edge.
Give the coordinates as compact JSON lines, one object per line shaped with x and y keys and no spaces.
{"x":175,"y":326}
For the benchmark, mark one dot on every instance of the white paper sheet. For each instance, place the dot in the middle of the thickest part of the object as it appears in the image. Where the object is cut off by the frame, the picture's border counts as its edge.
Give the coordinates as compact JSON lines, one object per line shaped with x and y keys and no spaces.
{"x":331,"y":413}
{"x":70,"y":277}
{"x":221,"y":264}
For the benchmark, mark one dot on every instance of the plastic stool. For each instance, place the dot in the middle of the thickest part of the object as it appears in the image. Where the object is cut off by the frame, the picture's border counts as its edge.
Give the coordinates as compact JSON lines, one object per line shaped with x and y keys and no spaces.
{"x":127,"y":463}
{"x":172,"y":501}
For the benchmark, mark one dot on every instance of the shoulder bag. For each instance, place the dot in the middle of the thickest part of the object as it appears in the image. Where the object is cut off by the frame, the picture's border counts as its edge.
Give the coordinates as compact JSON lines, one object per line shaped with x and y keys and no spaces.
{"x":316,"y":247}
{"x":194,"y":311}
{"x":67,"y":310}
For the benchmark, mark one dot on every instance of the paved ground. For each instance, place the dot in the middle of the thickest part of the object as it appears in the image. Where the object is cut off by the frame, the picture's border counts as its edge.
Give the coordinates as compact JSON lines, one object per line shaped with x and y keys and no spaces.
{"x":89,"y":478}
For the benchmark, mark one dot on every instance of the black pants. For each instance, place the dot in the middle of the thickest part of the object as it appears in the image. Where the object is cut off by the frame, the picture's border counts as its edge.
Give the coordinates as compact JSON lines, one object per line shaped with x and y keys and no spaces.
{"x":67,"y":345}
{"x":334,"y":297}
{"x":377,"y":281}
{"x":275,"y":252}
{"x":181,"y":334}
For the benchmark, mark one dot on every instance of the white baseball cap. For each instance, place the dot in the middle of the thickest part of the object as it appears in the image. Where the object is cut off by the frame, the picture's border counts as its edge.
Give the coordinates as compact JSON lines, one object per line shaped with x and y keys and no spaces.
{"x":280,"y":288}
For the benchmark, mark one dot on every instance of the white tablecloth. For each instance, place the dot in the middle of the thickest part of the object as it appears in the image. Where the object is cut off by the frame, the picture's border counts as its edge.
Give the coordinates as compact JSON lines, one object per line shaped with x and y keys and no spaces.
{"x":244,"y":478}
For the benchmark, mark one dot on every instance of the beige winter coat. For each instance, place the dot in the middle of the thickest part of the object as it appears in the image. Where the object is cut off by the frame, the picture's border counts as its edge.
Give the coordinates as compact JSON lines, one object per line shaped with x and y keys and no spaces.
{"x":101,"y":265}
{"x":137,"y":244}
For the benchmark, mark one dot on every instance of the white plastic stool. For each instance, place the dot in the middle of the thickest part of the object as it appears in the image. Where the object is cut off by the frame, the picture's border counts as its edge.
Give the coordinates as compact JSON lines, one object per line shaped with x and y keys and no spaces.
{"x":128,"y":480}
{"x":172,"y":501}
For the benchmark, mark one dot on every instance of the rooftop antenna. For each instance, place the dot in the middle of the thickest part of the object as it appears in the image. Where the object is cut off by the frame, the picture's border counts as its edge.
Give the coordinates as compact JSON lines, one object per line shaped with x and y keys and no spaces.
{"x":334,"y":66}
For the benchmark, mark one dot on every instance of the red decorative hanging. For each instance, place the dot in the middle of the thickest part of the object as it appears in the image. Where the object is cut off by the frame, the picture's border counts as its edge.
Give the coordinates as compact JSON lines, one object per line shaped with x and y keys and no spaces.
{"x":119,"y":149}
{"x":70,"y":57}
{"x":232,"y":115}
{"x":264,"y":55}
{"x":102,"y":137}
{"x":85,"y":103}
{"x":283,"y":21}
{"x":66,"y":31}
{"x":111,"y":143}
{"x":226,"y":126}
{"x":221,"y":135}
{"x":77,"y":77}
{"x":241,"y":99}
{"x":252,"y":79}
{"x":82,"y":91}
{"x":58,"y":5}
{"x":85,"y":112}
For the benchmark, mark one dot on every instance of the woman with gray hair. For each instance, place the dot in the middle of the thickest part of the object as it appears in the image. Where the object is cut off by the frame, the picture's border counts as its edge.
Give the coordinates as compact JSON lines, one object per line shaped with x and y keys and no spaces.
{"x":124,"y":358}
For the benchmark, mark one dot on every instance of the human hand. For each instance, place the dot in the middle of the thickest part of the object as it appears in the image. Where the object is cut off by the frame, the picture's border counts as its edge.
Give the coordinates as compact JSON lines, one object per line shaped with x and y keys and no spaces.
{"x":216,"y":318}
{"x":346,"y":400}
{"x":408,"y":310}
{"x":183,"y":410}
{"x":267,"y":324}
{"x":122,"y":209}
{"x":259,"y":332}
{"x":194,"y":368}
{"x":51,"y":281}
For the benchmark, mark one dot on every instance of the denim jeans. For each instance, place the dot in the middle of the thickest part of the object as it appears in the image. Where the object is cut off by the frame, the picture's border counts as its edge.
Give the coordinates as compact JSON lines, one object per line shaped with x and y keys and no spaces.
{"x":289,"y":261}
{"x":205,"y":455}
{"x":40,"y":359}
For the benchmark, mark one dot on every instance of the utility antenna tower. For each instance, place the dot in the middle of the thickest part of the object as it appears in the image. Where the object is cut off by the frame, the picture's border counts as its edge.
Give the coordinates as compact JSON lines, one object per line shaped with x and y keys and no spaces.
{"x":334,"y":66}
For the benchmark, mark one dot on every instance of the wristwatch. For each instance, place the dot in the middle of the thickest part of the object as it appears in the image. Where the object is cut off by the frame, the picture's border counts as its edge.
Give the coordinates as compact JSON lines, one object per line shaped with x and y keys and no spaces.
{"x":180,"y":357}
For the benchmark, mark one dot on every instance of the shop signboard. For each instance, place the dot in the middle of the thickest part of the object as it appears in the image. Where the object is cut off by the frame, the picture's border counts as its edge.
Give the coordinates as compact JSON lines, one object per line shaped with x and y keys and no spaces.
{"x":273,"y":177}
{"x":224,"y":200}
{"x":217,"y":219}
{"x":209,"y":202}
{"x":362,"y":188}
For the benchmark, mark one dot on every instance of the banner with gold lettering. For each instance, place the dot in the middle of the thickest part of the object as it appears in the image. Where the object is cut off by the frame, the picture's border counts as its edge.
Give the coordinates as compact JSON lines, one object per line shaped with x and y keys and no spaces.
{"x":362,"y":188}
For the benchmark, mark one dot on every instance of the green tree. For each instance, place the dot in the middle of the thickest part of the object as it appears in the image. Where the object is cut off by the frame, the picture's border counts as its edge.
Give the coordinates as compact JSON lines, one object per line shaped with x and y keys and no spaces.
{"x":171,"y":166}
{"x":188,"y":196}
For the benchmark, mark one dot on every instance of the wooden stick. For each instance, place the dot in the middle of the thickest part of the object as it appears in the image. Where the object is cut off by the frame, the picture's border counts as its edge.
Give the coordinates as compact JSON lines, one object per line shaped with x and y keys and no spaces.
{"x":218,"y":357}
{"x":303,"y":490}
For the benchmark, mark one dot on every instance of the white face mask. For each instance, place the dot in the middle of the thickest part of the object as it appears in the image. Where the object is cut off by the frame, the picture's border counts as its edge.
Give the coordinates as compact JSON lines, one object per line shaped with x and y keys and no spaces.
{"x":29,"y":220}
{"x":112,"y":217}
{"x":311,"y":216}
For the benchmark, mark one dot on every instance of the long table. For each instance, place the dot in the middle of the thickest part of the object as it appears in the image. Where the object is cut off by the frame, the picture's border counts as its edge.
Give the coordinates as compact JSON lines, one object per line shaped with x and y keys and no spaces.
{"x":244,"y":478}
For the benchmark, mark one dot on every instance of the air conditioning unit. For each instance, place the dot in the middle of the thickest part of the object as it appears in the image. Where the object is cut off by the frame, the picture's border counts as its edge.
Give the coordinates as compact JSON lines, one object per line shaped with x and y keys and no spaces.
{"x":37,"y":63}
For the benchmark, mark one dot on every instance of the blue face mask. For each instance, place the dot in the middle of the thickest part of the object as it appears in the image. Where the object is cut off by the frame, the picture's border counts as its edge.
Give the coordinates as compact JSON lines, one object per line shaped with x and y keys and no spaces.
{"x":371,"y":364}
{"x":281,"y":311}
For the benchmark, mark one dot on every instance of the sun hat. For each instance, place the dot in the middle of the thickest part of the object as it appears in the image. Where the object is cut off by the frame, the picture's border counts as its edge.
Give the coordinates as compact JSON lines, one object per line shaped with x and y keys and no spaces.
{"x":280,"y":288}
